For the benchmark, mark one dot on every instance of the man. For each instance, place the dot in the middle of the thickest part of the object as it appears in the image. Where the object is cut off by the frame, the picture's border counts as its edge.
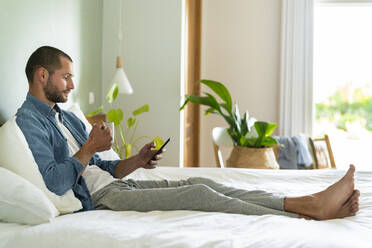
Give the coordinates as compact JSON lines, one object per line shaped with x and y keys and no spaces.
{"x":63,"y":149}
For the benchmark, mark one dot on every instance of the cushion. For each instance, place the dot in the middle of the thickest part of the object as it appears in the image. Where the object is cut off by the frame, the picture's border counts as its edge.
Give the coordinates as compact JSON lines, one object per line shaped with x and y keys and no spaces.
{"x":22,"y":202}
{"x":16,"y":156}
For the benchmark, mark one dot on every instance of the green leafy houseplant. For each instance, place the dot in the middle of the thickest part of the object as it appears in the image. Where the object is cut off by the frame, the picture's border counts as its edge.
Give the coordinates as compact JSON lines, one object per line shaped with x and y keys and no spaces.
{"x":126,"y":134}
{"x":246,"y":131}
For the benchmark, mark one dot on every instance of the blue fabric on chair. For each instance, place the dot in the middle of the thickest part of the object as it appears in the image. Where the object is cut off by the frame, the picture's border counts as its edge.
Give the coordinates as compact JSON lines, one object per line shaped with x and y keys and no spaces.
{"x":287,"y":155}
{"x":294,"y":154}
{"x":304,"y":159}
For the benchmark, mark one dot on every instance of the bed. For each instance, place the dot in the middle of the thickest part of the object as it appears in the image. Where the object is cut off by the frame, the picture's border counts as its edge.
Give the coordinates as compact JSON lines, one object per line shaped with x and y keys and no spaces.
{"x":105,"y":228}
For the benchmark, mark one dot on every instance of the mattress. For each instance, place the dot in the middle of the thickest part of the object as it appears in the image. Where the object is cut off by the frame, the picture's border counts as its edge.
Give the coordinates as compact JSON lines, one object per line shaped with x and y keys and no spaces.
{"x":105,"y":228}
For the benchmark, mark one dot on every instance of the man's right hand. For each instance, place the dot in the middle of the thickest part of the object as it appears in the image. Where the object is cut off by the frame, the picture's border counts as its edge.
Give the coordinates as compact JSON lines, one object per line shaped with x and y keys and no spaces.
{"x":100,"y":138}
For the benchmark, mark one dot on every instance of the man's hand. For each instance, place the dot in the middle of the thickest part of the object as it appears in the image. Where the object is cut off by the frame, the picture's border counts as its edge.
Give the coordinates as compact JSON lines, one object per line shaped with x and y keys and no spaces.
{"x":100,"y":138}
{"x":146,"y":153}
{"x":127,"y":166}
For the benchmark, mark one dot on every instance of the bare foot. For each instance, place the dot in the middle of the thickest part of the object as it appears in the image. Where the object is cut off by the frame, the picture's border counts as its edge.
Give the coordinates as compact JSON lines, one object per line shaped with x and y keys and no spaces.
{"x":331,"y":203}
{"x":351,"y":206}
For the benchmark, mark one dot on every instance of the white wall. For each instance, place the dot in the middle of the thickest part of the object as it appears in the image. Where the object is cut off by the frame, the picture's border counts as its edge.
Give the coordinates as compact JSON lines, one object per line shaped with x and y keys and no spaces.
{"x":151,"y":52}
{"x":74,"y":27}
{"x":241,"y":48}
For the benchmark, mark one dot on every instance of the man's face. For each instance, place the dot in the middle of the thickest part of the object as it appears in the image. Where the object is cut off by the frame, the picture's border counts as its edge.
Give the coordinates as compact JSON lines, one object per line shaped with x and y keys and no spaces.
{"x":60,"y":83}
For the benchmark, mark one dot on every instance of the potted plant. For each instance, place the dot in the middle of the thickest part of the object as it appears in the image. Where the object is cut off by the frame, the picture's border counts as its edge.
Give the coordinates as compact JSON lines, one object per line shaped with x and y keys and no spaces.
{"x":253,"y":144}
{"x":126,"y":140}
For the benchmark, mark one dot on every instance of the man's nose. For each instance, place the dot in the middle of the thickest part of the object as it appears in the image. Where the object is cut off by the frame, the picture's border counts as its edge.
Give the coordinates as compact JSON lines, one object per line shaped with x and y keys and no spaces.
{"x":71,"y":84}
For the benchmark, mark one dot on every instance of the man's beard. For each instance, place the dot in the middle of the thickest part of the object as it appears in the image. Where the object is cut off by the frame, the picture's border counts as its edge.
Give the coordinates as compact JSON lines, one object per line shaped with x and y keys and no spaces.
{"x":52,"y":93}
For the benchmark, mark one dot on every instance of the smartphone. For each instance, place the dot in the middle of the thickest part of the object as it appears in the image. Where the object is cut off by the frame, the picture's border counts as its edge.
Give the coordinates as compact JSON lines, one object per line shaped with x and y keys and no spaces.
{"x":160,"y":150}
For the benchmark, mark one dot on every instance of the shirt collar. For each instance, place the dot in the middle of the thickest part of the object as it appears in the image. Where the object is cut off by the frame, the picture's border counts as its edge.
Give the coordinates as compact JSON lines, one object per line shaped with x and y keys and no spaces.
{"x":42,"y":107}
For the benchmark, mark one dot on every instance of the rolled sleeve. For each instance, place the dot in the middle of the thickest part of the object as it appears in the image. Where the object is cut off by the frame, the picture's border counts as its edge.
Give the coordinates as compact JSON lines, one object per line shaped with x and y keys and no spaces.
{"x":107,"y":165}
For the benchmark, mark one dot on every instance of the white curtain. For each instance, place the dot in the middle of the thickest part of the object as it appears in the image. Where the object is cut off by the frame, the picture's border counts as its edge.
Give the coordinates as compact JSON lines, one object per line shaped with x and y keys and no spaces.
{"x":296,"y":86}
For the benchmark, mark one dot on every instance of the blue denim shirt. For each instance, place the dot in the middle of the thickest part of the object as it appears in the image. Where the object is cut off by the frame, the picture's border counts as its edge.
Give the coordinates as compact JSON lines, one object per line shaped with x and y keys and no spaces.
{"x":60,"y":171}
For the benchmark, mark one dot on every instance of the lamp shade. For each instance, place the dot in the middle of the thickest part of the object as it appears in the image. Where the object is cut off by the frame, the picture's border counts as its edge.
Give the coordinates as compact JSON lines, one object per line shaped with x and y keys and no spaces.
{"x":121,"y":78}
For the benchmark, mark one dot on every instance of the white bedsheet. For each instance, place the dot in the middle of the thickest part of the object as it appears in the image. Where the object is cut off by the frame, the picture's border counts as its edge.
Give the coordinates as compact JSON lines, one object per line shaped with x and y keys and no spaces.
{"x":199,"y":229}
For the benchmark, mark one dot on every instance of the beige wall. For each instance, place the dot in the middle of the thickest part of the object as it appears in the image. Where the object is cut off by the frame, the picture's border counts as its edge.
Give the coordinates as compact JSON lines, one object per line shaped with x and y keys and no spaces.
{"x":241,"y":48}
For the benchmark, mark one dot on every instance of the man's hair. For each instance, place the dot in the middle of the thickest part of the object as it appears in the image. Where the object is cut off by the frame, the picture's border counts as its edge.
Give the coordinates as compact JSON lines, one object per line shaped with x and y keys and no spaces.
{"x":47,"y":57}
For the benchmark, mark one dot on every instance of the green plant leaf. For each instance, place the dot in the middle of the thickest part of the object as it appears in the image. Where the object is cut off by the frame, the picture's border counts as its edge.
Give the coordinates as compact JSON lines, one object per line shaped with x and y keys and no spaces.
{"x":142,"y":109}
{"x":242,"y":141}
{"x":263,"y":129}
{"x":210,"y":111}
{"x":112,"y":93}
{"x":270,"y":128}
{"x":128,"y":150}
{"x":202,"y":100}
{"x":269,"y":142}
{"x":226,"y":107}
{"x":251,"y":142}
{"x":130,"y":122}
{"x":214,"y":102}
{"x":236,"y":117}
{"x":221,"y":91}
{"x":208,"y":100}
{"x":115,"y":116}
{"x":229,"y":120}
{"x":158,"y":142}
{"x":95,"y":112}
{"x":234,"y":135}
{"x":243,"y":124}
{"x":260,"y":127}
{"x":184,"y":104}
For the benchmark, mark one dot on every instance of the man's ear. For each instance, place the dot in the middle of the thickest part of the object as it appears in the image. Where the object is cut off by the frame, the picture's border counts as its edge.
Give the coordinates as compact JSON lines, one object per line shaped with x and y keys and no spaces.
{"x":41,"y":75}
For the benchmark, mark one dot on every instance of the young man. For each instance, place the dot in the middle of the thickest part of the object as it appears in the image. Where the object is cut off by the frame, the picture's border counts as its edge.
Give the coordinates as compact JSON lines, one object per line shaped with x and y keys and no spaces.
{"x":63,"y":149}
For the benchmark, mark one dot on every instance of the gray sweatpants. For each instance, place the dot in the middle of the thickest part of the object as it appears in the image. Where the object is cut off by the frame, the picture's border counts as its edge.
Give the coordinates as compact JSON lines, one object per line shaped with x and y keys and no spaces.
{"x":199,"y":194}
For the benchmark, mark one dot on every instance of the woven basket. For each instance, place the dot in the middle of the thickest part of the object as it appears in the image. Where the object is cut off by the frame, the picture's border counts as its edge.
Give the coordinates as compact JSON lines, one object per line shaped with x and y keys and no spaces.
{"x":255,"y":158}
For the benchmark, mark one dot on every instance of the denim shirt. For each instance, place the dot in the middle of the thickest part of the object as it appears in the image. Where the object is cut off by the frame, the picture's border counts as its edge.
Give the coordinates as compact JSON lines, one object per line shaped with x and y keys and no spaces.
{"x":49,"y":147}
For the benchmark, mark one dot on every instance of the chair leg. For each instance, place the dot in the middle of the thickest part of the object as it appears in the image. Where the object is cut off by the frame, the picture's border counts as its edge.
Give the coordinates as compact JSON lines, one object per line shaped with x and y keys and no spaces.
{"x":330,"y":152}
{"x":216,"y":149}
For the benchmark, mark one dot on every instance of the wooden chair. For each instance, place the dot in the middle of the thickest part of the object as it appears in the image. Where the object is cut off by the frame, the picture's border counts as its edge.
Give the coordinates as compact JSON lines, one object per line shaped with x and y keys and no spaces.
{"x":322,"y":153}
{"x":220,"y":138}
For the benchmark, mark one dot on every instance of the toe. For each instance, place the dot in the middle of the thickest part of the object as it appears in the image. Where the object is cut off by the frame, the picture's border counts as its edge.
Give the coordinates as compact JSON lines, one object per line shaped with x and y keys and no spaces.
{"x":352,"y":199}
{"x":357,"y":192}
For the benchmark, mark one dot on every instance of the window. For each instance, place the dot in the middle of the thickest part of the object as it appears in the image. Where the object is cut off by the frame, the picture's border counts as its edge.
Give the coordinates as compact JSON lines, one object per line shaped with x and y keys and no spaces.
{"x":343,"y":80}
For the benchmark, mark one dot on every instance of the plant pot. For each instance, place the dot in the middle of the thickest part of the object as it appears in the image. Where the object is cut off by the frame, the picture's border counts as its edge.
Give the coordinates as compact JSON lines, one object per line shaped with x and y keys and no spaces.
{"x":255,"y":158}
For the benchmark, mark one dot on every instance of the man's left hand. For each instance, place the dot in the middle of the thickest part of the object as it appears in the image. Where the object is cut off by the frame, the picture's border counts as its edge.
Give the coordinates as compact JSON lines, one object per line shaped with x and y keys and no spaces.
{"x":146,"y":153}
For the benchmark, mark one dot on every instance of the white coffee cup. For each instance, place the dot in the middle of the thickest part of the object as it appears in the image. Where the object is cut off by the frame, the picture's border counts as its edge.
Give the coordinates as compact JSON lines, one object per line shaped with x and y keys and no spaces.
{"x":111,"y":126}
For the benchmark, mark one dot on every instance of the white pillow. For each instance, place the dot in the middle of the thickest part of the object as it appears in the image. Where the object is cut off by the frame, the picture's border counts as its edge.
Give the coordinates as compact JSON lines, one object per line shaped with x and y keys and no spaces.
{"x":16,"y":156}
{"x":22,"y":202}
